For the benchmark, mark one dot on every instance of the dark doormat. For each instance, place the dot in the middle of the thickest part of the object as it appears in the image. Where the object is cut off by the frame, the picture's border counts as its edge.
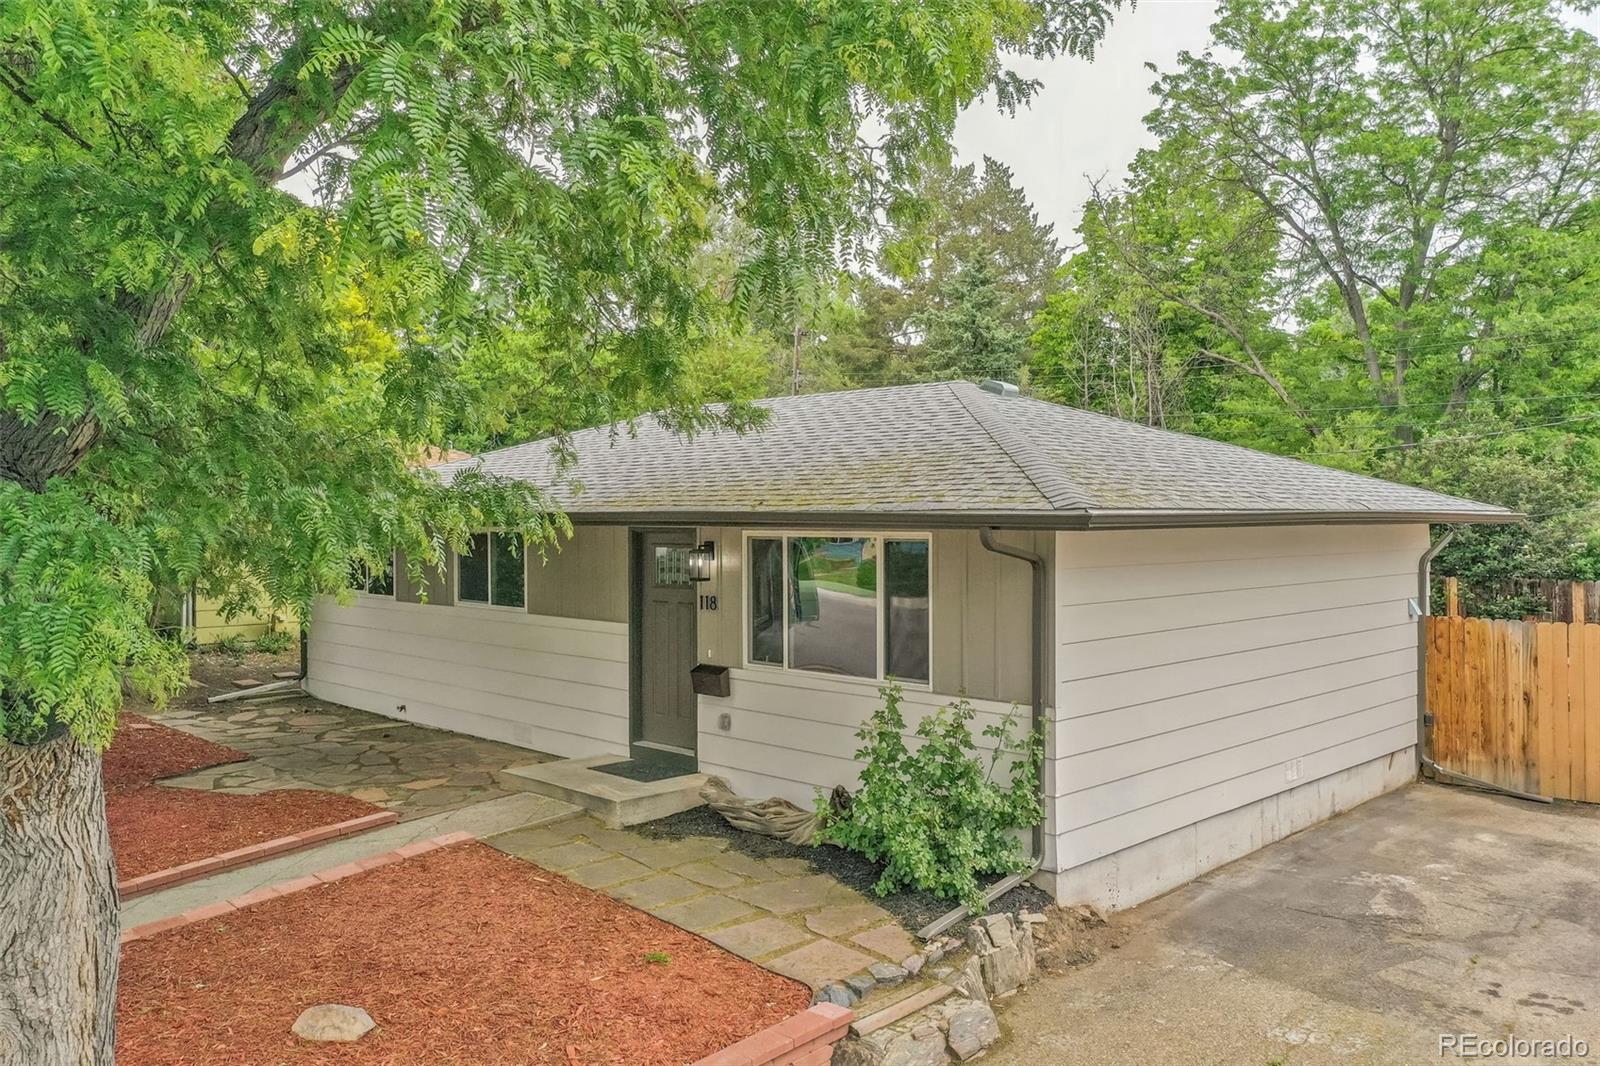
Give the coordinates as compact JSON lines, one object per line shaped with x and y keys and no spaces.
{"x":634,"y":770}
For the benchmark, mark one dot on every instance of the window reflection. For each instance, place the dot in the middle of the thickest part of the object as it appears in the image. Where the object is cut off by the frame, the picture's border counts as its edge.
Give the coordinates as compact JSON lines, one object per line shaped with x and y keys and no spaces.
{"x":833,"y":623}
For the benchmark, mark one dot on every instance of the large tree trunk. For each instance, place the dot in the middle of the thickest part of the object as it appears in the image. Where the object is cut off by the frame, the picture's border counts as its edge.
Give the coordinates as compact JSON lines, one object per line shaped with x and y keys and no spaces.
{"x":58,"y":908}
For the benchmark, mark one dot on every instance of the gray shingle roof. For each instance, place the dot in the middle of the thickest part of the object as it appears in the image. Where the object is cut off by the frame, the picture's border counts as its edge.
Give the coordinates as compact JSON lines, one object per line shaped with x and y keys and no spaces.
{"x":951,"y":450}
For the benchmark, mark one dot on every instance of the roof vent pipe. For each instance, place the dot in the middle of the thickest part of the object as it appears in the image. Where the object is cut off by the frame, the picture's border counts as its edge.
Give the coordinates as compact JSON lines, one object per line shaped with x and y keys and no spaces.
{"x":1000,"y":388}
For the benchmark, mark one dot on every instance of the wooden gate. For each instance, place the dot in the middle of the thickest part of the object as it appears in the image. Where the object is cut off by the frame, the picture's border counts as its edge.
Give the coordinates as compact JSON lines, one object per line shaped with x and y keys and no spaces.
{"x":1516,"y":704}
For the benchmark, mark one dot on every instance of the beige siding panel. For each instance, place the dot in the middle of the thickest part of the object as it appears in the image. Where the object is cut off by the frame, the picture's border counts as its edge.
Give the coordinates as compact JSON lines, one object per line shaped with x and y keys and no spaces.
{"x":1130,"y":828}
{"x":1147,"y":584}
{"x":556,"y":685}
{"x":721,"y":632}
{"x":1141,"y":651}
{"x":791,"y":734}
{"x":1178,"y":778}
{"x":1139,"y":548}
{"x":439,"y":586}
{"x":1180,"y":749}
{"x":1196,"y":610}
{"x":1096,"y":733}
{"x":1199,"y":671}
{"x":1109,"y":691}
{"x":585,"y":577}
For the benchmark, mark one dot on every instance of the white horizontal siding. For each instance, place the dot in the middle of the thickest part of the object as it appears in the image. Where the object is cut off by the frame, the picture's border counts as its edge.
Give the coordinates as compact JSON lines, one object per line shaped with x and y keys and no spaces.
{"x":557,"y":685}
{"x":1193,"y":666}
{"x":794,"y":733}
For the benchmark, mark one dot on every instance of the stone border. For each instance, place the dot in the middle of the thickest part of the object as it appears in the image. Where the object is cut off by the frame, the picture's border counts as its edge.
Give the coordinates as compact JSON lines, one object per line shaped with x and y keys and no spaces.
{"x":227,"y":860}
{"x":804,"y":1039}
{"x":283,"y":888}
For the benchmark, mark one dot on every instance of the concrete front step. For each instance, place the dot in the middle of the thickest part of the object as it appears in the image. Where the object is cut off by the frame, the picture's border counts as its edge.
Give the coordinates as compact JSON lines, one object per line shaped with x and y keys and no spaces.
{"x":616,"y":801}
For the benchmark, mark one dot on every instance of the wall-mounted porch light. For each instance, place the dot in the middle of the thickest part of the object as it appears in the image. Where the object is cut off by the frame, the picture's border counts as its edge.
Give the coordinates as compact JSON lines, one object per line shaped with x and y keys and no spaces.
{"x":700,"y":560}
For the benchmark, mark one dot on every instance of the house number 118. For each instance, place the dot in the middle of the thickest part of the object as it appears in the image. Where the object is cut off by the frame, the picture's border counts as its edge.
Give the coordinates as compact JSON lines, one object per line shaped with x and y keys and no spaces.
{"x":708,"y":603}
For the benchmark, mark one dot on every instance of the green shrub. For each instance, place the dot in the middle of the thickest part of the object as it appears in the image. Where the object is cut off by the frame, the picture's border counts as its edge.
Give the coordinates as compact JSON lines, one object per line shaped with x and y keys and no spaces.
{"x":934,"y":815}
{"x":233,"y":645}
{"x":274,"y":642}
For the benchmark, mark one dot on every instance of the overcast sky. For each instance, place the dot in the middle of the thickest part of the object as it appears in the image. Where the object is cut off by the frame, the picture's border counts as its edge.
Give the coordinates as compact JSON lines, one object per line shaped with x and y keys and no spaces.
{"x":1086,"y":120}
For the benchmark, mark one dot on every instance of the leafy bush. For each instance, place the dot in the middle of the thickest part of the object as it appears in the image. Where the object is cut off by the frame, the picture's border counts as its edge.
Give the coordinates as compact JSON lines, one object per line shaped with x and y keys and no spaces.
{"x":934,"y":815}
{"x":274,"y":642}
{"x":232,"y":645}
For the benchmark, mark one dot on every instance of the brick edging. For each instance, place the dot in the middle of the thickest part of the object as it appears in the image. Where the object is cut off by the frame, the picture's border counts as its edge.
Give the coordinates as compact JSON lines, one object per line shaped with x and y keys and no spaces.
{"x":804,"y":1039}
{"x":284,"y":888}
{"x":227,"y":860}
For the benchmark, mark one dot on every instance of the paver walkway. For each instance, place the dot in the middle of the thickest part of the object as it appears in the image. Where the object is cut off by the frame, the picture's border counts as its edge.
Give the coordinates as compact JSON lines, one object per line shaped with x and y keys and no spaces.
{"x":772,"y":911}
{"x":307,"y":743}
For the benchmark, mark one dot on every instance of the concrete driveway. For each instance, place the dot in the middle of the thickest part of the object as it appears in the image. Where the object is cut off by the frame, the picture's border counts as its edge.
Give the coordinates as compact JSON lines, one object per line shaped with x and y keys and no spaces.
{"x":1431,"y":910}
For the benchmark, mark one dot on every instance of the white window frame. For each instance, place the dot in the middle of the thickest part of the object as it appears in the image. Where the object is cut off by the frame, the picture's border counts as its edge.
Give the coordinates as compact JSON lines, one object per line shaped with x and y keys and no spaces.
{"x":488,"y":605}
{"x":880,"y":536}
{"x":394,"y":587}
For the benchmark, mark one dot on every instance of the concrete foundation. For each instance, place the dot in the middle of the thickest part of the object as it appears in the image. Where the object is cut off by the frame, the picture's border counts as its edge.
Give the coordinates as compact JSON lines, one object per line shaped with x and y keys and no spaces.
{"x":1148,"y":869}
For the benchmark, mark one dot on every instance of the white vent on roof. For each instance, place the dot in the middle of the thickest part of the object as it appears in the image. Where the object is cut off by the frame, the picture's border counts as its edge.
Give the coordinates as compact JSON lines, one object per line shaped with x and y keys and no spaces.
{"x":1000,"y":388}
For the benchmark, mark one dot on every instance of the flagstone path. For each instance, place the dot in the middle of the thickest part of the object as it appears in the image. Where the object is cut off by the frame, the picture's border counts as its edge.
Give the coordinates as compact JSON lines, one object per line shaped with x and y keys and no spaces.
{"x":308,"y":743}
{"x":772,"y":911}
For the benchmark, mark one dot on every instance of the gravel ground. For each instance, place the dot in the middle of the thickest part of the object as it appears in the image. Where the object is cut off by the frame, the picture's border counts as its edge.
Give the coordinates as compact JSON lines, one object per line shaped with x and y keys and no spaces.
{"x":913,"y":910}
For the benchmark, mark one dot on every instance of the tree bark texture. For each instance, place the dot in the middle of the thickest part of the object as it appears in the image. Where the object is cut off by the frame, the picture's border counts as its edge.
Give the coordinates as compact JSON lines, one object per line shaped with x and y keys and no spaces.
{"x":31,"y":453}
{"x":59,"y":939}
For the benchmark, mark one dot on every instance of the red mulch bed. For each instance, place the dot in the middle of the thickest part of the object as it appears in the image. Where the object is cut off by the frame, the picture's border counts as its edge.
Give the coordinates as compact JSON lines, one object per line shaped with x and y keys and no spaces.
{"x":144,"y":752}
{"x":154,"y":828}
{"x":461,"y":955}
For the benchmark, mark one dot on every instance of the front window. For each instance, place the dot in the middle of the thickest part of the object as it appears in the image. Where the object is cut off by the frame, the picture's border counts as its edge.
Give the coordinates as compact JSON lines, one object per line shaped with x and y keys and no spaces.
{"x":849,"y":606}
{"x":491,"y":571}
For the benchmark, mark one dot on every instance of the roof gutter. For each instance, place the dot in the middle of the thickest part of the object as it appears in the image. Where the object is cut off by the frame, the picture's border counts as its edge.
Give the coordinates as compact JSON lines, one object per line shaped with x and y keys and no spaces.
{"x":1025,"y":519}
{"x":1041,"y":599}
{"x":1144,"y":519}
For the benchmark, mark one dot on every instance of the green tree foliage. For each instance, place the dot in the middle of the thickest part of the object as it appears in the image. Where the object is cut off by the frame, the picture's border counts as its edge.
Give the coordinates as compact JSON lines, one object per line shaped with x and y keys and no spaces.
{"x":956,"y":218}
{"x":964,"y":255}
{"x":1369,"y":236}
{"x":204,"y":375}
{"x":967,"y":334}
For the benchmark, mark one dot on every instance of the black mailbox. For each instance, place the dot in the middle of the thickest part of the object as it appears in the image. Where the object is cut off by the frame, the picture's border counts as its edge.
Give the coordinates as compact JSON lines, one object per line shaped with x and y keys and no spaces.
{"x":710,"y":680}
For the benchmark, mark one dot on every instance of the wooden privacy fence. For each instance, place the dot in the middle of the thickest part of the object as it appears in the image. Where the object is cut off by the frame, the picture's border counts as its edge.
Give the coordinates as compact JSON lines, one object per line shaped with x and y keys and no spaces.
{"x":1547,"y":599}
{"x":1517,"y":704}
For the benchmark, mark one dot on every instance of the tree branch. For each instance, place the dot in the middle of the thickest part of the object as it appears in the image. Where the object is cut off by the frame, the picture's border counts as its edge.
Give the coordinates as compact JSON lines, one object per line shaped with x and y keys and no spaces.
{"x":12,"y":81}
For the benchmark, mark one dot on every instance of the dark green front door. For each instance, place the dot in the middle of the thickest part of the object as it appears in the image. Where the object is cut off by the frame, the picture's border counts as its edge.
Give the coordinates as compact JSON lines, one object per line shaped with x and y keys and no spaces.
{"x":664,"y":645}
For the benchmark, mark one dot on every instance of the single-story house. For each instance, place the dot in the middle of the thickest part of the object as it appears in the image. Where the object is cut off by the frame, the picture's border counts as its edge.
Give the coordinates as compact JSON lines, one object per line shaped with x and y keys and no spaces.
{"x":1222,"y":643}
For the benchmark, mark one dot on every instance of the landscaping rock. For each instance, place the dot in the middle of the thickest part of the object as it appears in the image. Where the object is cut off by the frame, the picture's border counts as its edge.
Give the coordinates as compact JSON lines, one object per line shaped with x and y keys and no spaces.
{"x":894,"y":1047}
{"x":333,"y":1022}
{"x":913,"y":964}
{"x":969,"y":981}
{"x":887,"y":973}
{"x":1003,"y":948}
{"x":835,"y":993}
{"x":970,"y":1027}
{"x":861,"y":983}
